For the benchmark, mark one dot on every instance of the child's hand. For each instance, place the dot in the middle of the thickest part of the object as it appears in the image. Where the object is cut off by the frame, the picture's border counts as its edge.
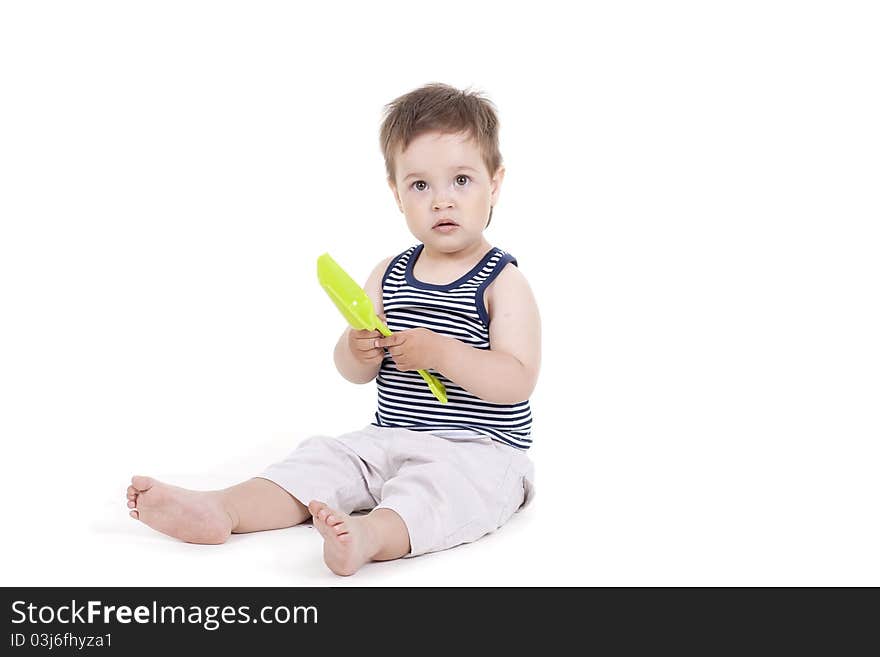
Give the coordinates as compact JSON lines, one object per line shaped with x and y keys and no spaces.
{"x":414,"y":349}
{"x":362,"y":345}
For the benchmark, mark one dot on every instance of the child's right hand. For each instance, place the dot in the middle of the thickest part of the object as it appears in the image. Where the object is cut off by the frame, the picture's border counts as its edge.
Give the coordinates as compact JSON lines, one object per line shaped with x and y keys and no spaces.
{"x":362,"y":344}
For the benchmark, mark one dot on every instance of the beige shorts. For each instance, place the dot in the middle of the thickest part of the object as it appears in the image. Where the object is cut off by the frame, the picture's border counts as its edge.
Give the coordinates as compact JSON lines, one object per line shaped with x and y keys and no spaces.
{"x":448,"y":490}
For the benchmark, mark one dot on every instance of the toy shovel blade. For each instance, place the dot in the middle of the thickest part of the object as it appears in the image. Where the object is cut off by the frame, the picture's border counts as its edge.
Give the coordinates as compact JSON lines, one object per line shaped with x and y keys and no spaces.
{"x":355,"y":305}
{"x":348,"y":296}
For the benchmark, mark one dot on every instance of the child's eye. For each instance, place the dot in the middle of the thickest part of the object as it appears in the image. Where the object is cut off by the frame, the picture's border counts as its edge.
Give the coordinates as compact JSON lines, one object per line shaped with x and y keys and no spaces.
{"x":462,"y":177}
{"x":419,"y":182}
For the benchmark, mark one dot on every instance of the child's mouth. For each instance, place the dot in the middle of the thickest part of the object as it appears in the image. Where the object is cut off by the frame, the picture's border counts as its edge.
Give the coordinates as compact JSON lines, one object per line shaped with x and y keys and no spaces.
{"x":445,"y":226}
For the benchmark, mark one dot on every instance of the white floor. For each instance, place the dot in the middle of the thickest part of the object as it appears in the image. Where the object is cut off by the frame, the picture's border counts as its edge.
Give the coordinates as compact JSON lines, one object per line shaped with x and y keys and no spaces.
{"x":96,"y":543}
{"x":127,"y":551}
{"x":625,"y":521}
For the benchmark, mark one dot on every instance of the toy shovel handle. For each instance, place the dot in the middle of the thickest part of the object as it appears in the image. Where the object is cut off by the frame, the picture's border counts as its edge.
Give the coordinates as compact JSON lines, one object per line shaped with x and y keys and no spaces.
{"x":437,"y":388}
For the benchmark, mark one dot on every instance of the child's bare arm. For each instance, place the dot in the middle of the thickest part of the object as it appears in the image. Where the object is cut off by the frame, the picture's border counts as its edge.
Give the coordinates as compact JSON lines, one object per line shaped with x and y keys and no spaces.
{"x":356,"y":356}
{"x":504,"y":374}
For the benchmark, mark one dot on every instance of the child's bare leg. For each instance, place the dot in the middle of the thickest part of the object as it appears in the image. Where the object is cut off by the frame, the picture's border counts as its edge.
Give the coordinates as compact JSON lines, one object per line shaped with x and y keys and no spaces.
{"x":259,"y":504}
{"x":352,"y":541}
{"x":209,"y":517}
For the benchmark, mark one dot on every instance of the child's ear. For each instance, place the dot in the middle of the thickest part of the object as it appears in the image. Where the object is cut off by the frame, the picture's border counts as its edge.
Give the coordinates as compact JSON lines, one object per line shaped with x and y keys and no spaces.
{"x":393,"y":187}
{"x":495,"y":184}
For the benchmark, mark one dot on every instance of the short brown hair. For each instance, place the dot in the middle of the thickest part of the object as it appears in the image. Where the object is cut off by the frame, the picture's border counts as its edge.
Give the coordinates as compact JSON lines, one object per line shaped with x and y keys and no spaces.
{"x":439,"y":107}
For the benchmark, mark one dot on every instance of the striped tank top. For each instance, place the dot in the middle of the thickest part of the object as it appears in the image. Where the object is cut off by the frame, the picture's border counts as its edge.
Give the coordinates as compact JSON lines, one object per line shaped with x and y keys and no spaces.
{"x":456,"y":310}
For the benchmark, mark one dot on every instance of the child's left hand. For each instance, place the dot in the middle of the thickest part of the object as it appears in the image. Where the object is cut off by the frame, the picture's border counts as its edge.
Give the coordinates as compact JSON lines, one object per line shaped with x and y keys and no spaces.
{"x":414,"y":349}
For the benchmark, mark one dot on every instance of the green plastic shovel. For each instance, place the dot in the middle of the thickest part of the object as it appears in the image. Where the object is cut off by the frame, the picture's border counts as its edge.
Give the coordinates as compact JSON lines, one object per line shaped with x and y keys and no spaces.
{"x":356,"y":307}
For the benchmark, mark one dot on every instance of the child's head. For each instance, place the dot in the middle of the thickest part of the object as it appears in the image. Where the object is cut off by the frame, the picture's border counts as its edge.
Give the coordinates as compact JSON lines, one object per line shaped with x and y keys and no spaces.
{"x":443,"y":163}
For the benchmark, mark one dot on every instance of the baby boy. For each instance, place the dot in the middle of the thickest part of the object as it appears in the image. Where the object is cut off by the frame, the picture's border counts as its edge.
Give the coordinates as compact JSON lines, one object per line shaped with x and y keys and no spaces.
{"x":431,"y":475}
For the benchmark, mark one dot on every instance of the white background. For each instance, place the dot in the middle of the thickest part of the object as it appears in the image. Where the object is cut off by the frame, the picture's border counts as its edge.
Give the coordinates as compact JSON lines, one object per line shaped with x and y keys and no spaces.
{"x":692,"y":191}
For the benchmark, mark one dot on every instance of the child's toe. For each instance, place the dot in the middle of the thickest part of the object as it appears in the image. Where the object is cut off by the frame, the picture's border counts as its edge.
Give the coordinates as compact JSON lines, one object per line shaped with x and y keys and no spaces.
{"x":141,"y":483}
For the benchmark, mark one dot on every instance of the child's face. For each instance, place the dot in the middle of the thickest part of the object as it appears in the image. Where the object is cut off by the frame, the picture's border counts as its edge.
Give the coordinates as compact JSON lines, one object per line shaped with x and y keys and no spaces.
{"x":439,"y":177}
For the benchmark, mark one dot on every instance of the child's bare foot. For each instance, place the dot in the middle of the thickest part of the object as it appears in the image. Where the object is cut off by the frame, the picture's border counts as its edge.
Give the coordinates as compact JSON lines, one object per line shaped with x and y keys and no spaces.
{"x":349,"y":542}
{"x":190,"y":515}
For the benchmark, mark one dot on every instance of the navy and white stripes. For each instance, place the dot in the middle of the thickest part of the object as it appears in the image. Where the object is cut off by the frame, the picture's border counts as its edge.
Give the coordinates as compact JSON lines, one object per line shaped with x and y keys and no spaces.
{"x":456,"y":310}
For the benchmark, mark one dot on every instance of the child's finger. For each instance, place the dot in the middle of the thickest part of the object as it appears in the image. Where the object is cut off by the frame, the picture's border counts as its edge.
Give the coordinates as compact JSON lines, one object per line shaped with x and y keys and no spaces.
{"x":390,"y":341}
{"x":366,"y":345}
{"x":371,"y":357}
